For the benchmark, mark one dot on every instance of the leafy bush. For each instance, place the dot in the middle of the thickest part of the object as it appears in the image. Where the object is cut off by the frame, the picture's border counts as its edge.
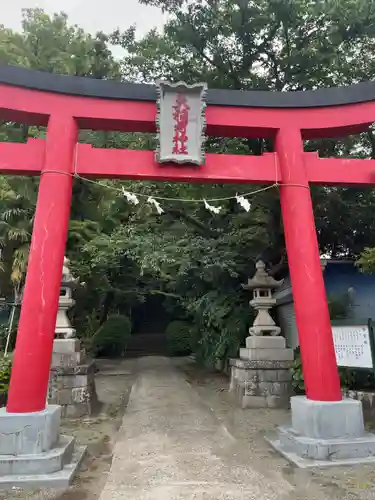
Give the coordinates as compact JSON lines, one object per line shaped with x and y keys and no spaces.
{"x":179,"y":336}
{"x":298,"y":381}
{"x":357,"y":380}
{"x":339,"y":306}
{"x":5,"y":371}
{"x":221,"y":324}
{"x":112,"y":337}
{"x":3,"y":335}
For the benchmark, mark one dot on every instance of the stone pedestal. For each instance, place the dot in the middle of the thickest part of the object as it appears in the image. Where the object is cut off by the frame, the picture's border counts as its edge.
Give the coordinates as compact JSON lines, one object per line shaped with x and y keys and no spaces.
{"x":72,"y":379}
{"x":324,"y":433}
{"x":261,"y":378}
{"x":33,"y":453}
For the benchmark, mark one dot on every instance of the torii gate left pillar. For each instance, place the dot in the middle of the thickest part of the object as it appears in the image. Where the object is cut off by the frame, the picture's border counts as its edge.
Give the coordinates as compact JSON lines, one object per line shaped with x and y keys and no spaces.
{"x":37,"y":323}
{"x":27,"y":425}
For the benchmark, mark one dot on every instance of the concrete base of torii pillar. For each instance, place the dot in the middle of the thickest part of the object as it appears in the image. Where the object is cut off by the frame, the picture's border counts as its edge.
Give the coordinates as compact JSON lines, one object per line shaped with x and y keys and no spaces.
{"x":325,"y":434}
{"x":33,"y":453}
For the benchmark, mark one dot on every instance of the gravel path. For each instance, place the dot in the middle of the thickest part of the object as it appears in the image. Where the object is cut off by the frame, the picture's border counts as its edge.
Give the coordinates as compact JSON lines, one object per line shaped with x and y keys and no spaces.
{"x":172,"y":446}
{"x":248,"y":427}
{"x":183,"y":436}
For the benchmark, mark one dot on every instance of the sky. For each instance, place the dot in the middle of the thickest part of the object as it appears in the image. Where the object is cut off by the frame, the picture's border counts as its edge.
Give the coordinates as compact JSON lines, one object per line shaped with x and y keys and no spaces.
{"x":91,"y":15}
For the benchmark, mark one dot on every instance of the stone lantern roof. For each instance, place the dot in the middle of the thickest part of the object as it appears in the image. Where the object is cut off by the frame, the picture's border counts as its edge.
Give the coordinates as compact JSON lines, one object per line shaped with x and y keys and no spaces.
{"x":261,"y":279}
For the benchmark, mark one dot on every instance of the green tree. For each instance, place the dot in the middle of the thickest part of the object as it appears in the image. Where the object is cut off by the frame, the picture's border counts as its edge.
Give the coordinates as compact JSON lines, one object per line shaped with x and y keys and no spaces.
{"x":47,"y":43}
{"x":50,"y":43}
{"x":193,"y":259}
{"x":268,"y":44}
{"x":17,"y":202}
{"x":280,"y":45}
{"x":272,"y":45}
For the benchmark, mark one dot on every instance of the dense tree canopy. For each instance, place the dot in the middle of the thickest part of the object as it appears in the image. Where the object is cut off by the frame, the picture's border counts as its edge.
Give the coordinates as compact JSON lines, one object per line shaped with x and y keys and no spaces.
{"x":192,"y":260}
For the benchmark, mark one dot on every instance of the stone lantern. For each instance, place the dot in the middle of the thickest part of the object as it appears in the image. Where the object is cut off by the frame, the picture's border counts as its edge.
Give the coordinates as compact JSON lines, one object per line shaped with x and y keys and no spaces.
{"x":64,"y":328}
{"x":261,"y":376}
{"x":72,"y":382}
{"x":262,"y":285}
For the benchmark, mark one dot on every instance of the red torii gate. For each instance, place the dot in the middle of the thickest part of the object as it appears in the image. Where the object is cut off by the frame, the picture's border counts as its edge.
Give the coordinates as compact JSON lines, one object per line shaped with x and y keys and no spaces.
{"x":65,"y":104}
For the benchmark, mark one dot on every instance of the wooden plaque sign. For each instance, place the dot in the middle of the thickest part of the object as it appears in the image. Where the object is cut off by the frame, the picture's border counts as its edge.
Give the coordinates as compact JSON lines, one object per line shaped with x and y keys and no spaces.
{"x":181,"y":123}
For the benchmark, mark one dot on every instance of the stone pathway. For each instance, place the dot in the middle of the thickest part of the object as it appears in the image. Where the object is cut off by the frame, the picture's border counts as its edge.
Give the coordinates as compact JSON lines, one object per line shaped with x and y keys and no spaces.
{"x":183,"y":438}
{"x":172,"y":446}
{"x":249,"y":427}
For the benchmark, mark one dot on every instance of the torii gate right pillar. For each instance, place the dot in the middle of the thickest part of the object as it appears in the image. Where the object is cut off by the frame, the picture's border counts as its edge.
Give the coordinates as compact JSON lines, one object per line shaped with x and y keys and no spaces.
{"x":310,"y":302}
{"x":325,"y":429}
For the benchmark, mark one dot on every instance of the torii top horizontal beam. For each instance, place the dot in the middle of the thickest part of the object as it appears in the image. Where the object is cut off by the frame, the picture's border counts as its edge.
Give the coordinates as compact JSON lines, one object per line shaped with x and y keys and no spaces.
{"x":30,"y":96}
{"x":107,"y":89}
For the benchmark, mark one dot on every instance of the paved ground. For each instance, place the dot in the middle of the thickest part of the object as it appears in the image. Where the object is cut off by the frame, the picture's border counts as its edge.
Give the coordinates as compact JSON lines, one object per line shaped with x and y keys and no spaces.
{"x":113,"y":384}
{"x":183,"y":438}
{"x":248,"y":427}
{"x":171,"y":446}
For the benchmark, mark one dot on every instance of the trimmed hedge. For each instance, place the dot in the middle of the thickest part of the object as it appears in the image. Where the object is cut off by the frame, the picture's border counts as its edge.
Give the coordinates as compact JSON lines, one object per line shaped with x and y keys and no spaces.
{"x":179,"y":336}
{"x":111,"y":339}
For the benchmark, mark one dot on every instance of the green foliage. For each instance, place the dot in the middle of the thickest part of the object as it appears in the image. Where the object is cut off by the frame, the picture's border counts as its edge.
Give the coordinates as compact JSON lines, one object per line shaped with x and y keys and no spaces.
{"x":190,"y":261}
{"x":112,"y":337}
{"x":339,"y":306}
{"x":180,"y":335}
{"x":195,"y":260}
{"x":49,"y":43}
{"x":278,"y":45}
{"x":357,"y":380}
{"x":3,"y":335}
{"x":298,"y":381}
{"x":273,"y":45}
{"x":367,"y":260}
{"x":5,"y":371}
{"x":17,"y":204}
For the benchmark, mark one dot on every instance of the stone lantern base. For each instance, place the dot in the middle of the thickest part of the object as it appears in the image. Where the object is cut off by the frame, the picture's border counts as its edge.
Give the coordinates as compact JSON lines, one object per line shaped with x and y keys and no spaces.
{"x":72,"y":382}
{"x":261,"y":377}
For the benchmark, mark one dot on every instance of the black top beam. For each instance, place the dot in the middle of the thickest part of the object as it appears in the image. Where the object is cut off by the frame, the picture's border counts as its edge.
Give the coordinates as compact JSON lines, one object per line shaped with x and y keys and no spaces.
{"x":109,"y":89}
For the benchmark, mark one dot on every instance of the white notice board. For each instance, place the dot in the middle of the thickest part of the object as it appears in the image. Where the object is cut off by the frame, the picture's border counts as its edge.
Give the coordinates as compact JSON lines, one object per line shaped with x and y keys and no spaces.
{"x":352,"y":346}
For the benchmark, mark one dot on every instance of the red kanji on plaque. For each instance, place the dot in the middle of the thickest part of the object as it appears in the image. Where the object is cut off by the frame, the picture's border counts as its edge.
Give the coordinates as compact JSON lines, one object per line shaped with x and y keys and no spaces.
{"x":181,"y":119}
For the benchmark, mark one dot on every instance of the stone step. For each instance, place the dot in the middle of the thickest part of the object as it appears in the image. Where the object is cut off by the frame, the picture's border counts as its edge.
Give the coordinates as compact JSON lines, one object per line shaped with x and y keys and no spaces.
{"x":327,"y":449}
{"x":49,"y":462}
{"x":146,"y":345}
{"x":55,"y":480}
